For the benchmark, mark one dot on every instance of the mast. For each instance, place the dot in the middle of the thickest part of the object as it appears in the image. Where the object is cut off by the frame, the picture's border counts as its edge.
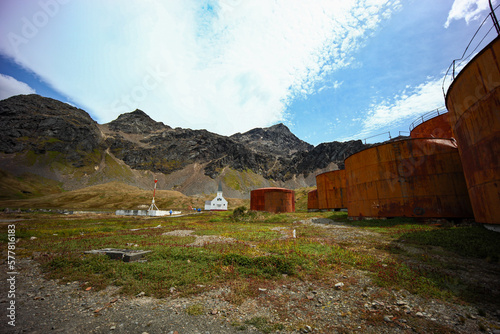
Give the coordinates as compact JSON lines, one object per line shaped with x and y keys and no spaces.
{"x":153,"y":205}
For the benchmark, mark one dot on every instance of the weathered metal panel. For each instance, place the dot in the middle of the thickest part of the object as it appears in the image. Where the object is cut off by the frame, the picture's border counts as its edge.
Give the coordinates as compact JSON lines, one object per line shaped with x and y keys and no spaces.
{"x":332,"y":190}
{"x":312,"y":200}
{"x":473,"y":101}
{"x":272,"y":200}
{"x":407,"y":178}
{"x":437,"y":127}
{"x":257,"y":200}
{"x":280,"y":201}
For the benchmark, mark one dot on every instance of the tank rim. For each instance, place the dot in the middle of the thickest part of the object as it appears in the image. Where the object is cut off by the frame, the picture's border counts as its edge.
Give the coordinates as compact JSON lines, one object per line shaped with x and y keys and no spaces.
{"x":399,"y":140}
{"x":469,"y":63}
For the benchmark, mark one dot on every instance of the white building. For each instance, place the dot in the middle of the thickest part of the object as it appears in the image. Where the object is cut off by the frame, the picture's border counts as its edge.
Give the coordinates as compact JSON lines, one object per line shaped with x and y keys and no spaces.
{"x":218,"y":203}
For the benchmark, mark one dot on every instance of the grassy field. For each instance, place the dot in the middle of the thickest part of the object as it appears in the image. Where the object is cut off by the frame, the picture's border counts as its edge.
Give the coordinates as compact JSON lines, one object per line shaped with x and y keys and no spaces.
{"x":252,"y":250}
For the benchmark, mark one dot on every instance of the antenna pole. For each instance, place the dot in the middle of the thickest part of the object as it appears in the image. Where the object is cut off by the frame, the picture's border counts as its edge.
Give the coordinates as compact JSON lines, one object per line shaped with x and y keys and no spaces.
{"x":153,"y":205}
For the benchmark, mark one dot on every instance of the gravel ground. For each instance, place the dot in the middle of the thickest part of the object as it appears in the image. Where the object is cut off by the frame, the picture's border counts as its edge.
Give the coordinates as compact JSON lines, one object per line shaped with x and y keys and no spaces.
{"x":349,"y":303}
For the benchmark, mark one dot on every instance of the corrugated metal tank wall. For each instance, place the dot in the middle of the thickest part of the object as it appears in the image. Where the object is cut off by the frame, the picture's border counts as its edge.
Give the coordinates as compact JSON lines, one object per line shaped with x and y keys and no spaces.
{"x":312,"y":200}
{"x":272,"y":200}
{"x":407,"y":178}
{"x":280,"y":201}
{"x":332,"y":190}
{"x":473,"y":102}
{"x":437,"y":127}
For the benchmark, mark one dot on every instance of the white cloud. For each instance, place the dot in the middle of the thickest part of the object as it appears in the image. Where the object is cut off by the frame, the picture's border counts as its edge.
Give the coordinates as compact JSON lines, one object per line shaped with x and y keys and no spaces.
{"x":10,"y":87}
{"x":227,"y":66}
{"x":470,"y":10}
{"x":408,"y":104}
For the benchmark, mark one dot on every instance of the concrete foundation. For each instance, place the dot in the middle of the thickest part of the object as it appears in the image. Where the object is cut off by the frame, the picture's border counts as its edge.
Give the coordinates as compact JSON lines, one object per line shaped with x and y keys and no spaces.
{"x":126,"y":255}
{"x":152,"y":213}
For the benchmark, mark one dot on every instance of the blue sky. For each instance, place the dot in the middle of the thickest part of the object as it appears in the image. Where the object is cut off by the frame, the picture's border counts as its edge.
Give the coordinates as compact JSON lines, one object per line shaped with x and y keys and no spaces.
{"x":329,"y":70}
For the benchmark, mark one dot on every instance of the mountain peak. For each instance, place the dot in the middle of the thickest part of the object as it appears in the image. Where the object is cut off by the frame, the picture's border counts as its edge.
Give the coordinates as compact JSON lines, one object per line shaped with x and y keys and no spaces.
{"x":136,"y":121}
{"x":276,"y":139}
{"x":279,"y":126}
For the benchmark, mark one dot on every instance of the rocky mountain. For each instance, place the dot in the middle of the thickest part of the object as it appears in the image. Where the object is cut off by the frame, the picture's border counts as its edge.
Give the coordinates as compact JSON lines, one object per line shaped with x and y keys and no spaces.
{"x":31,"y":123}
{"x":277,"y":139}
{"x":137,"y":122}
{"x":56,"y":141}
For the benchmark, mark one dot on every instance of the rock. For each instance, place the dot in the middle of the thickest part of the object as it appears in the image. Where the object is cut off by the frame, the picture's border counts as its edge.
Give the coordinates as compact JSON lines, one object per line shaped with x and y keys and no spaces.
{"x":419,"y":314}
{"x":388,"y":318}
{"x":401,"y":303}
{"x":35,"y":124}
{"x":310,"y":296}
{"x":277,"y":140}
{"x":262,"y":290}
{"x":307,"y":329}
{"x":112,"y":328}
{"x":40,"y":124}
{"x":141,"y":294}
{"x":339,"y":285}
{"x":137,"y":122}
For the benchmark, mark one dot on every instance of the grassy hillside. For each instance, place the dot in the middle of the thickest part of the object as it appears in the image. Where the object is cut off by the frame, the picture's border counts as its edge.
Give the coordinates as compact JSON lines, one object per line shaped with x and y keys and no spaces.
{"x":26,"y":186}
{"x":114,"y":195}
{"x":34,"y":191}
{"x":301,"y":198}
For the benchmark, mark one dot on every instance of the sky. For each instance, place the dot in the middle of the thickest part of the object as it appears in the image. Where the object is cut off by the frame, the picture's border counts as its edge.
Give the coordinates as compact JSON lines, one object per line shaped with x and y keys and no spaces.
{"x":331,"y":70}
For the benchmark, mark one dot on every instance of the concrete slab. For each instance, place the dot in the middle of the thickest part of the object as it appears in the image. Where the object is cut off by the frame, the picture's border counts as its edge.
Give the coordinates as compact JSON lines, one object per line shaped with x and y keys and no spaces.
{"x":126,"y":255}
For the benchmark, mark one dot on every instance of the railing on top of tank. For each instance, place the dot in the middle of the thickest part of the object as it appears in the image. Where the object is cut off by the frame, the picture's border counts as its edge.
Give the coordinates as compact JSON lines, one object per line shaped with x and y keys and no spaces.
{"x":427,"y":116}
{"x":458,"y":64}
{"x":383,"y":133}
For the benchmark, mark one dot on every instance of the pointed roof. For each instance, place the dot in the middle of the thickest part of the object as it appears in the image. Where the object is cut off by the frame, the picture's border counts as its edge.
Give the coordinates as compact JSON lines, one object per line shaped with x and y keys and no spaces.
{"x":220,"y":187}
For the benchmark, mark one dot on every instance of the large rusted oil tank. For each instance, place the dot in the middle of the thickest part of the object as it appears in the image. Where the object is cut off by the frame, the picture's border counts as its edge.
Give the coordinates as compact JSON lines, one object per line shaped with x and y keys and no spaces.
{"x":332,"y":190}
{"x":272,"y":200}
{"x":407,"y":178}
{"x":434,"y":124}
{"x":473,"y":101}
{"x":312,"y":200}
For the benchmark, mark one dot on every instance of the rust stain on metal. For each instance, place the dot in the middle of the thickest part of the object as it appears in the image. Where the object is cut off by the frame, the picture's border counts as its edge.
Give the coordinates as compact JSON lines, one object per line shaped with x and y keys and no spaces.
{"x":332,"y":190}
{"x":437,"y":127}
{"x":272,"y":200}
{"x":312,"y":200}
{"x":407,"y":178}
{"x":473,"y":101}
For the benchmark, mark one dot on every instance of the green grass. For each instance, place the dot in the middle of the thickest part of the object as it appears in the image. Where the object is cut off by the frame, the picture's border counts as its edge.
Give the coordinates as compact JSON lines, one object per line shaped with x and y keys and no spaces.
{"x":195,"y":309}
{"x":262,"y":252}
{"x":426,"y":272}
{"x":264,"y":324}
{"x":468,"y":241}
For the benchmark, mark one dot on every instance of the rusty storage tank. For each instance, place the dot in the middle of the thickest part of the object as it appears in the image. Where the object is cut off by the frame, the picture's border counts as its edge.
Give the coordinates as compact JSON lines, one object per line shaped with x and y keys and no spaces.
{"x":433,"y":124}
{"x":420,"y":177}
{"x":473,"y":101}
{"x":272,"y":199}
{"x":332,"y":190}
{"x":312,"y":200}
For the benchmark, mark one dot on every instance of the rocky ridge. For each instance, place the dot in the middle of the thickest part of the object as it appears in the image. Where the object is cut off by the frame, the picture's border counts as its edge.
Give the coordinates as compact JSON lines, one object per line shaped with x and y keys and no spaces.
{"x":50,"y":138}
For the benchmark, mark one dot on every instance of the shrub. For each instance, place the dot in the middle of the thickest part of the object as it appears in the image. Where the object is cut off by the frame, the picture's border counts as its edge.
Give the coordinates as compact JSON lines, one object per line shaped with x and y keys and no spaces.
{"x":239,"y":213}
